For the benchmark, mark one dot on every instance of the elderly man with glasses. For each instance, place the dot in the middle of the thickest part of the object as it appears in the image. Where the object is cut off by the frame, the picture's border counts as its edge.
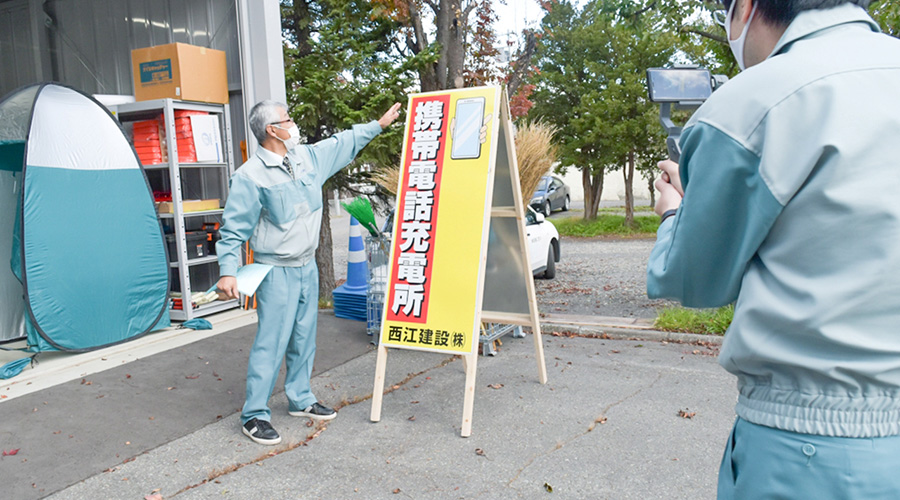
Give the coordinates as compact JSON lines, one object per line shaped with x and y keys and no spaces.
{"x":786,"y":202}
{"x":275,"y":202}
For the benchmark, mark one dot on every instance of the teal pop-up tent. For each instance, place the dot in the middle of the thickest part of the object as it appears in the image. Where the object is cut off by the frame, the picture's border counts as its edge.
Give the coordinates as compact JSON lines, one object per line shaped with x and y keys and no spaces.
{"x":78,"y":226}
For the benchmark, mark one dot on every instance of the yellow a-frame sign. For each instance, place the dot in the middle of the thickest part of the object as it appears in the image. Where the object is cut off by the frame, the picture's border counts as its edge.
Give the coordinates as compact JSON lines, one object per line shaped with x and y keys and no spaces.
{"x":459,"y":256}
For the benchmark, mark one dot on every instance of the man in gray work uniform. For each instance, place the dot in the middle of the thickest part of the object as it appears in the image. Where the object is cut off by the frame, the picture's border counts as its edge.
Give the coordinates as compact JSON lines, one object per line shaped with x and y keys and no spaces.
{"x":275,"y":202}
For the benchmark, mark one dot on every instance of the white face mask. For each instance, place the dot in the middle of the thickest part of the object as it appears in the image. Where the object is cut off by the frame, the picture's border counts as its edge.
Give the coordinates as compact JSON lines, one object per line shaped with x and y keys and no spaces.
{"x":737,"y":46}
{"x":294,"y":139}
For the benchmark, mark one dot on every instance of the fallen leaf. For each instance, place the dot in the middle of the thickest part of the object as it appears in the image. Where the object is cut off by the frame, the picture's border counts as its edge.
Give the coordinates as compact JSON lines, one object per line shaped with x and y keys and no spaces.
{"x":686,"y":414}
{"x":614,"y":351}
{"x":9,"y":453}
{"x":192,"y":377}
{"x":157,"y":490}
{"x":127,"y":443}
{"x":124,"y":479}
{"x":155,"y":496}
{"x":412,"y":418}
{"x":397,"y":490}
{"x":600,"y":420}
{"x":413,"y":402}
{"x":86,"y":382}
{"x":169,"y":388}
{"x":548,"y":487}
{"x":152,"y":418}
{"x":479,"y":452}
{"x":4,"y":396}
{"x":495,"y":386}
{"x":127,"y":375}
{"x":57,"y":432}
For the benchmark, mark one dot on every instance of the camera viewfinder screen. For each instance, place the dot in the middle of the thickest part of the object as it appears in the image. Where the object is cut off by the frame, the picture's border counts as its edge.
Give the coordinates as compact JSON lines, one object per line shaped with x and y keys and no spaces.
{"x":673,"y":85}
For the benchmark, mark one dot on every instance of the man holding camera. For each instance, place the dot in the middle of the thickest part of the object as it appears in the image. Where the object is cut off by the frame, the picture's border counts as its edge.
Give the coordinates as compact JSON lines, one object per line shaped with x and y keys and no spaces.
{"x":786,"y":202}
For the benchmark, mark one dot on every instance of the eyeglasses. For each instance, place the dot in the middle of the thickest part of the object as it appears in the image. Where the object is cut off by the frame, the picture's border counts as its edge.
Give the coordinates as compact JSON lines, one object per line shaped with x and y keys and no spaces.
{"x":282,"y":121}
{"x":720,"y":16}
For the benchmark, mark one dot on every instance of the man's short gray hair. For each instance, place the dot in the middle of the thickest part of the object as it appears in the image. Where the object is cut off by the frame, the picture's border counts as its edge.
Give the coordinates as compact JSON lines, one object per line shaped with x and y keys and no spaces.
{"x":262,"y":114}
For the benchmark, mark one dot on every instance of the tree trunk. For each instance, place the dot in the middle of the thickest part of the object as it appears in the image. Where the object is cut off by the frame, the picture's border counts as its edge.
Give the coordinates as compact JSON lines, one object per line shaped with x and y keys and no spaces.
{"x":522,"y":65}
{"x":651,"y":180}
{"x":456,"y":55}
{"x":302,"y":27}
{"x":324,"y":253}
{"x":442,"y":19}
{"x":418,"y":43}
{"x":628,"y":172}
{"x":593,"y":190}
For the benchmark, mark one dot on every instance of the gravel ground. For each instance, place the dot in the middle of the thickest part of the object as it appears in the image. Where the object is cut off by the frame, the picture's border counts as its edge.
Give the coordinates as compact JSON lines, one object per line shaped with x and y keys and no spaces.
{"x":595,"y":276}
{"x":600,"y":277}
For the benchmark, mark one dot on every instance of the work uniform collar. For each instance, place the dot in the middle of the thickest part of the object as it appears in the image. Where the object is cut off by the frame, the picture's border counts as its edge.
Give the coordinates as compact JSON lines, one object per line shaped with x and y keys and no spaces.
{"x":810,"y":22}
{"x":269,"y":158}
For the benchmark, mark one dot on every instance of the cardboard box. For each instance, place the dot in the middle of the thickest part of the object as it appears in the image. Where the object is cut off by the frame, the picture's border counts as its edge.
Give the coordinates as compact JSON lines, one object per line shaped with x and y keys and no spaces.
{"x":180,"y":71}
{"x":165,"y":207}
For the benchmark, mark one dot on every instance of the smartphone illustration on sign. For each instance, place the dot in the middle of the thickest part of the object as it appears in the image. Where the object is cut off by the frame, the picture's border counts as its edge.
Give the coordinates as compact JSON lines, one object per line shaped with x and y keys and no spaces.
{"x":469,"y":119}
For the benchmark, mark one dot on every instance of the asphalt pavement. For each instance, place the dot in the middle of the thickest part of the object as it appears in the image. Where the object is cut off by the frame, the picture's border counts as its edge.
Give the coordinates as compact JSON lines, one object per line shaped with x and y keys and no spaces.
{"x":618,"y":419}
{"x":627,"y":413}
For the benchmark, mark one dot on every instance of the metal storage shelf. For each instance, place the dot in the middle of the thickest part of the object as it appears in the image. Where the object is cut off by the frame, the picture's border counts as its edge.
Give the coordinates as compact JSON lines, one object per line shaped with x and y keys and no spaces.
{"x":146,"y":110}
{"x":199,"y":213}
{"x":205,"y":164}
{"x":197,"y":261}
{"x":205,"y":309}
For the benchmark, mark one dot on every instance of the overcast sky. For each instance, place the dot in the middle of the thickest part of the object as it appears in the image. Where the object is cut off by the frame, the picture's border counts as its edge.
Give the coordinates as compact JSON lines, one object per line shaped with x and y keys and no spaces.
{"x":515,"y":16}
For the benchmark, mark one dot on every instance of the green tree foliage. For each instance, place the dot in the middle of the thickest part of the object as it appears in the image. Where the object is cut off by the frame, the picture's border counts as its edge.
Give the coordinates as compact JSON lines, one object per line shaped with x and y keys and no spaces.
{"x":887,"y":13}
{"x":341,"y":69}
{"x":592,"y":86}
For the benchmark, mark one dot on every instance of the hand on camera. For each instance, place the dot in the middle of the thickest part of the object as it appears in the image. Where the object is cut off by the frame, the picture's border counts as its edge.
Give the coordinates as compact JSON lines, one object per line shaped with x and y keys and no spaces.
{"x":669,"y":187}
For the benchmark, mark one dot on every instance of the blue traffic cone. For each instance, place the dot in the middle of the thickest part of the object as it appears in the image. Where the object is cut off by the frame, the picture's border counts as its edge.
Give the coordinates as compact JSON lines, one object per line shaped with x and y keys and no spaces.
{"x":350,"y":298}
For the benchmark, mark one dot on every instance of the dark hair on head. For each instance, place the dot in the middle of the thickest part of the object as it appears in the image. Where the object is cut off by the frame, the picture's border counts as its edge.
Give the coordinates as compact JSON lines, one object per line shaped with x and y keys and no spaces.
{"x":784,"y":11}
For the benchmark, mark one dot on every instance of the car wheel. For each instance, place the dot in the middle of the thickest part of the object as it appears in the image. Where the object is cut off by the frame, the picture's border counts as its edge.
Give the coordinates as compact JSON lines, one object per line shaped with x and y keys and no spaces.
{"x":566,"y":204}
{"x":550,"y":272}
{"x":546,"y":208}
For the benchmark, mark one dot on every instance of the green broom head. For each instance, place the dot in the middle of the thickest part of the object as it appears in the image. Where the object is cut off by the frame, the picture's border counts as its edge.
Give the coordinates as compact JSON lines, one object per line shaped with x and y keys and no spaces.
{"x":361,"y":210}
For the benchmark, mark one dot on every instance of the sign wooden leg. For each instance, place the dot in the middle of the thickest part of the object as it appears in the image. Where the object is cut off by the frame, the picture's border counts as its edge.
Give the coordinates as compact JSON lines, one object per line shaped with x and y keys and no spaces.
{"x":469,"y":400}
{"x":539,"y":352}
{"x":378,"y":390}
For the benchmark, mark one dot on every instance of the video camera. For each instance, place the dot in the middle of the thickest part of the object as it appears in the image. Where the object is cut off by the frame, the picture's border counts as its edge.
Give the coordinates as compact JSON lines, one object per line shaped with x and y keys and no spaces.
{"x":687,"y":87}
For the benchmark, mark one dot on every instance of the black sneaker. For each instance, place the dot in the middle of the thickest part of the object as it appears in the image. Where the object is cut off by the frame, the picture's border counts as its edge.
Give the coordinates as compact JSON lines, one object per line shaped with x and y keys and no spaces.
{"x":315,"y":411}
{"x":261,"y":431}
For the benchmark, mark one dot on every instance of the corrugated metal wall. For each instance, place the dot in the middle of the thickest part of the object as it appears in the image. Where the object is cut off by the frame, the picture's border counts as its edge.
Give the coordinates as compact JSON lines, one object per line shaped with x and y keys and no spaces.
{"x":87,"y":43}
{"x":17,"y":50}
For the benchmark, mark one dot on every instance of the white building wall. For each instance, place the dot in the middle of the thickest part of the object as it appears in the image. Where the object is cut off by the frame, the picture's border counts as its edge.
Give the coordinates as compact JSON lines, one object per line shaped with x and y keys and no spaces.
{"x":613,"y":186}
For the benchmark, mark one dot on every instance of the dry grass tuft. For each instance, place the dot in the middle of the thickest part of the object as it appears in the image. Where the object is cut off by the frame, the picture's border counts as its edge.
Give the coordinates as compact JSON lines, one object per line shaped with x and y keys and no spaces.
{"x":388,"y":178}
{"x":536,"y":153}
